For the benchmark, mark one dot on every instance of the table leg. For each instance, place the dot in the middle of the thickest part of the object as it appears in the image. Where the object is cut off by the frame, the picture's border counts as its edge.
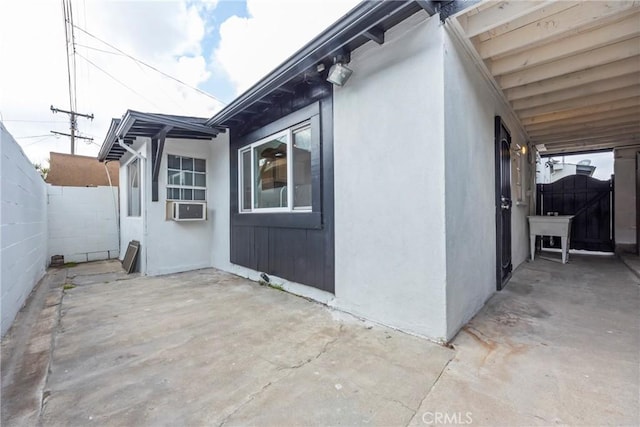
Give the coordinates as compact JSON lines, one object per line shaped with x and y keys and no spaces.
{"x":565,"y":248}
{"x":532,"y":240}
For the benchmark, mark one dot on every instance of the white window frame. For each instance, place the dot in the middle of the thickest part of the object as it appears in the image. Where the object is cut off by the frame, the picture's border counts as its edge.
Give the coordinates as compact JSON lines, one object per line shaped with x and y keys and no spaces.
{"x":288,"y":134}
{"x":138,"y":168}
{"x":186,"y":187}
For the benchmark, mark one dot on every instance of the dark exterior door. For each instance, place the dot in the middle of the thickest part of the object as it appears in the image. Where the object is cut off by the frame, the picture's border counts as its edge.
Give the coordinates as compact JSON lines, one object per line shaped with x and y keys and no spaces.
{"x":503,"y":203}
{"x":590,"y":200}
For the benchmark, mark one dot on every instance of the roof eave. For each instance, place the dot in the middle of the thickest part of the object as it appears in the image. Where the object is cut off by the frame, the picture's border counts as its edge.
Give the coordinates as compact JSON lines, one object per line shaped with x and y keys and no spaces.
{"x":327,"y":42}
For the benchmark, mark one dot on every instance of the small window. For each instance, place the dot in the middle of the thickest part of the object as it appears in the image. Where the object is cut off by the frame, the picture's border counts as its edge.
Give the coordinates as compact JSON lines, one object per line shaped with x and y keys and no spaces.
{"x":275,"y":172}
{"x":186,"y":178}
{"x":134,"y":195}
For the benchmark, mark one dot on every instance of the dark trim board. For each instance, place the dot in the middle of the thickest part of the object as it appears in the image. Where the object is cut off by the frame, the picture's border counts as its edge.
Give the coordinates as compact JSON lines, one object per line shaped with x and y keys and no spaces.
{"x":295,"y":246}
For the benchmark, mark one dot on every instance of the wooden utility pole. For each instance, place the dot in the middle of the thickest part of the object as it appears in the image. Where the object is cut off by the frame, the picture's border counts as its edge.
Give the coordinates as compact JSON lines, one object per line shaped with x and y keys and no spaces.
{"x":73,"y":126}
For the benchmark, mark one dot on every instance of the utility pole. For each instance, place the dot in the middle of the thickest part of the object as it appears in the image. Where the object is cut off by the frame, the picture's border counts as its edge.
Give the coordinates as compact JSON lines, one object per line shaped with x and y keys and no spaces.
{"x":73,"y":126}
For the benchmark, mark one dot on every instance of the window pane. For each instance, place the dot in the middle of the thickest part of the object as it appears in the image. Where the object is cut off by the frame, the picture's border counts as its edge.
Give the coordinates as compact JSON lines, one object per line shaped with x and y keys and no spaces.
{"x":270,"y":172}
{"x":173,"y":177}
{"x":173,"y":161}
{"x":200,"y":165}
{"x":302,"y":168}
{"x":173,"y":193}
{"x":199,"y":194}
{"x":246,"y":181}
{"x":187,"y":178}
{"x":187,"y":194}
{"x":200,"y":180}
{"x":187,"y":164}
{"x":133,"y":188}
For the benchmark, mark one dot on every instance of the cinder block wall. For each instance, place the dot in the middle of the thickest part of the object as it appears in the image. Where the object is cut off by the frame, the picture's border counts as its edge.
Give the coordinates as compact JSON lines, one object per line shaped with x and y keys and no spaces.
{"x":83,"y":223}
{"x":23,"y":232}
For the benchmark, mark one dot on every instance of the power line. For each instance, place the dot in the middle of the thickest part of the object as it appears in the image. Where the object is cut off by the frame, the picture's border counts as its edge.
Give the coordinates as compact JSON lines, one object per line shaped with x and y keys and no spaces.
{"x":35,"y":121}
{"x":72,"y":75}
{"x":118,"y":81}
{"x":31,"y":136}
{"x":150,"y":66}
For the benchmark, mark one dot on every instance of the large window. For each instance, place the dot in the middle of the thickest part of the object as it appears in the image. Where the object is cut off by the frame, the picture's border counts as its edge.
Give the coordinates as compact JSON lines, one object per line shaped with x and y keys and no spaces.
{"x":275,"y":172}
{"x":134,"y":196}
{"x":186,"y":178}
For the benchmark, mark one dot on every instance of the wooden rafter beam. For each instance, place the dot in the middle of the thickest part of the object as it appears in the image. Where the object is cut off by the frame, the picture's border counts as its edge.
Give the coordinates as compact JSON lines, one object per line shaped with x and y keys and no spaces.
{"x":563,"y":67}
{"x":575,"y":148}
{"x":619,"y":133}
{"x":578,"y":112}
{"x":579,"y":18}
{"x":594,"y":125}
{"x":549,"y":9}
{"x":577,"y":92}
{"x":587,"y":118}
{"x":596,"y":74}
{"x":498,"y":14}
{"x":612,"y":96}
{"x":615,"y":32}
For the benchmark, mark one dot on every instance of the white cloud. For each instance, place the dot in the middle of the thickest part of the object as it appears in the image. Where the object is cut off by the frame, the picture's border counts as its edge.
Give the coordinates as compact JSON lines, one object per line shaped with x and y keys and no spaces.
{"x":166,"y":35}
{"x":252,"y":47}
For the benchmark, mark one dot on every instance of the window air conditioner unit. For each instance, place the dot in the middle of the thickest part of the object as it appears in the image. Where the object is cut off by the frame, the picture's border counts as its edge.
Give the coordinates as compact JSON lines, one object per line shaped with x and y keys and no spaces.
{"x":189,"y":211}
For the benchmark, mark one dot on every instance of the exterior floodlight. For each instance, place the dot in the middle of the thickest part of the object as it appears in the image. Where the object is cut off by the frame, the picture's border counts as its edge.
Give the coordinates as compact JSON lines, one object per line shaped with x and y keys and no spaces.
{"x":339,"y":74}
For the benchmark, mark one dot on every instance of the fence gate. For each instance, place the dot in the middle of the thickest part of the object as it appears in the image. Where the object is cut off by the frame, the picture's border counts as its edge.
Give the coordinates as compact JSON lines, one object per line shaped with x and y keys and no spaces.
{"x":590,"y":200}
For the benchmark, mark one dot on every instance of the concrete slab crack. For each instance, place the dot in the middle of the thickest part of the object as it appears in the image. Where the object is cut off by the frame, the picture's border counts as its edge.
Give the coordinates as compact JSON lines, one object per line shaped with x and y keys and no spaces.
{"x":248,"y":400}
{"x":324,"y":349}
{"x":415,"y":412}
{"x":253,"y":395}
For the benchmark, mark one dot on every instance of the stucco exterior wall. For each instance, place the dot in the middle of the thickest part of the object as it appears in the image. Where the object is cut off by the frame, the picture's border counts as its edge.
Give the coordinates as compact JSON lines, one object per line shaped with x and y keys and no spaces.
{"x":389,"y":181}
{"x":470,"y":107}
{"x":83,"y":223}
{"x":23,"y":228}
{"x":175,"y":246}
{"x":624,"y":166}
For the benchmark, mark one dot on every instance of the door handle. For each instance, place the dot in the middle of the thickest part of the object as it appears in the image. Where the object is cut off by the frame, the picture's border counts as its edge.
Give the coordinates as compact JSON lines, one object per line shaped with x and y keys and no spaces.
{"x":505,"y":203}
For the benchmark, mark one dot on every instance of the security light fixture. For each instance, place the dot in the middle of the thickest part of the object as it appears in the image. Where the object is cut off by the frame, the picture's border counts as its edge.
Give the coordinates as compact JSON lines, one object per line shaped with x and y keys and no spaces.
{"x":339,"y":74}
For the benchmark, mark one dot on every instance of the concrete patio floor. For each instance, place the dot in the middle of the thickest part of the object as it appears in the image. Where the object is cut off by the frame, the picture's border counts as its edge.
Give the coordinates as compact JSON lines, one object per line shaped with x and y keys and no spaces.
{"x":560,"y":345}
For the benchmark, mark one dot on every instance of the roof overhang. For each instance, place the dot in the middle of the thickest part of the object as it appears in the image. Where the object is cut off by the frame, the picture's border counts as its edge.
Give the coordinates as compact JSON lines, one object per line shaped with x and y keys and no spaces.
{"x":570,"y":70}
{"x":368,"y":21}
{"x":136,"y":124}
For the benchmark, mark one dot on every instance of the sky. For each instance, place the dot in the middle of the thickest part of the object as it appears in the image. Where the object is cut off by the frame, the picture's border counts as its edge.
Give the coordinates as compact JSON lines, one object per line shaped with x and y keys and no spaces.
{"x":219,"y":47}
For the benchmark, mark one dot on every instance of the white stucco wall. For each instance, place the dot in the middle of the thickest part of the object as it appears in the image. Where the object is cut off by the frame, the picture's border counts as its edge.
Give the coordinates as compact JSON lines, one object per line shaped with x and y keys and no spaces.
{"x":624,"y":166}
{"x":23,"y":232}
{"x":470,"y":107}
{"x":218,"y":179}
{"x":389,"y":181}
{"x":132,"y":228}
{"x":82,"y":223}
{"x":174,"y":246}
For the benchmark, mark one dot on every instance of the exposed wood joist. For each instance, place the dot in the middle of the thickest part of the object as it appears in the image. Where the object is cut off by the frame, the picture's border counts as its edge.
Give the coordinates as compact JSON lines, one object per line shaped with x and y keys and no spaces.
{"x":595,"y":125}
{"x":618,"y":132}
{"x":549,"y":9}
{"x":500,"y":13}
{"x":577,"y":148}
{"x":575,"y":19}
{"x":627,"y":28}
{"x":428,"y":6}
{"x":571,"y":104}
{"x":576,"y":63}
{"x":588,"y":109}
{"x":591,"y":75}
{"x":577,"y":92}
{"x":587,"y":118}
